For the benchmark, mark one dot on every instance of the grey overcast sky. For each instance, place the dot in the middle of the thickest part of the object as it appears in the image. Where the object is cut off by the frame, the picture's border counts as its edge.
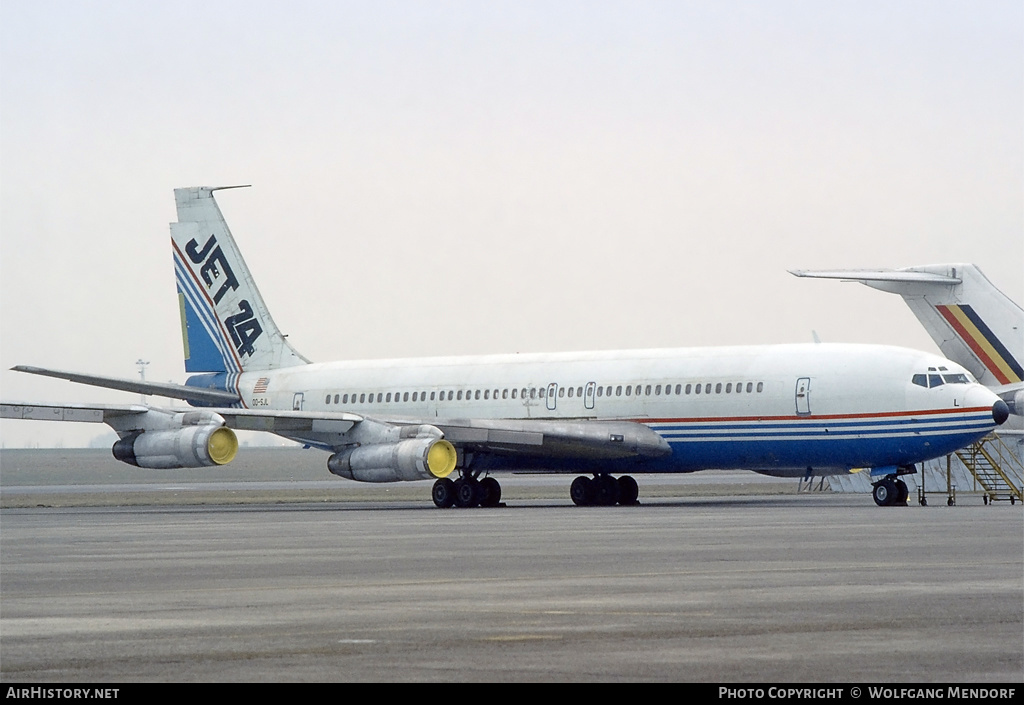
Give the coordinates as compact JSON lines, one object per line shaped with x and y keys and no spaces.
{"x":436,"y":178}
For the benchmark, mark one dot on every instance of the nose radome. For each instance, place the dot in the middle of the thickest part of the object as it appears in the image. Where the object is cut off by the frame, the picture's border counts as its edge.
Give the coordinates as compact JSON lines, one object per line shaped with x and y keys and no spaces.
{"x":1000,"y":412}
{"x":979,"y":397}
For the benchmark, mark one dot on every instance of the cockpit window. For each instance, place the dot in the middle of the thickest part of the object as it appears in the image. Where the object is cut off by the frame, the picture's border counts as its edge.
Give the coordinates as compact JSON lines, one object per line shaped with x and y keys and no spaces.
{"x":936,"y":380}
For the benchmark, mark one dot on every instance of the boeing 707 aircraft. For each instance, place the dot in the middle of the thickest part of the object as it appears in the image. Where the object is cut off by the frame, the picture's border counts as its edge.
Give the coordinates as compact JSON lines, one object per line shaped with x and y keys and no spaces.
{"x":782,"y":410}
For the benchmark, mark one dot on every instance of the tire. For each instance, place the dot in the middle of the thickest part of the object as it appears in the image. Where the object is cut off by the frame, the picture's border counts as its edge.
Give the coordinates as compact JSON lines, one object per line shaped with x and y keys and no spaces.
{"x":467,"y":493}
{"x":902,"y":493}
{"x":885,"y":493}
{"x":490,"y":492}
{"x":443,"y":493}
{"x":628,"y":490}
{"x":581,"y":491}
{"x":606,"y":490}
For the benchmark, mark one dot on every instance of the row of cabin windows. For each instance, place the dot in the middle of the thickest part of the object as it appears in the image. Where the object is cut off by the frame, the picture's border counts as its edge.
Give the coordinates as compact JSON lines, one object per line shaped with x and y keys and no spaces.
{"x":628,"y":390}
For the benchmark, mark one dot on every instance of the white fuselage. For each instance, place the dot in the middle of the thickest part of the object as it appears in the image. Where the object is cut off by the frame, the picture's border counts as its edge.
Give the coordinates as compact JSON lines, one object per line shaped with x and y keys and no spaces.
{"x":784,"y":409}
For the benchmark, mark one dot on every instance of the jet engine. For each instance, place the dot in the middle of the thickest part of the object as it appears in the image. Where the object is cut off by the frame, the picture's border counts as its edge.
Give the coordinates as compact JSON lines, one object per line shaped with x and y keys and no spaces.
{"x":1016,"y":402}
{"x":411,"y":459}
{"x":189,"y":447}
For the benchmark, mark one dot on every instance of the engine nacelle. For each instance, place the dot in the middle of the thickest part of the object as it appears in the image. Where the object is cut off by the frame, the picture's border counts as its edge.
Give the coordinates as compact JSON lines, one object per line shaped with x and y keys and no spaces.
{"x":189,"y":447}
{"x":412,"y":459}
{"x":1016,"y":403}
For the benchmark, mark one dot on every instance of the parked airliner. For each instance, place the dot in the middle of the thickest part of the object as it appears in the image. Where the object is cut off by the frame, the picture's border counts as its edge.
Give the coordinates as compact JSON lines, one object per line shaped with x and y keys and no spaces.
{"x":969,"y":318}
{"x":783,"y":410}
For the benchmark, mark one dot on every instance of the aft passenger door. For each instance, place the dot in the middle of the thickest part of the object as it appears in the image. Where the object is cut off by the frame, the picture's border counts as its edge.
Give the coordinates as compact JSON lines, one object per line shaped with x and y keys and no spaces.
{"x":803,"y":396}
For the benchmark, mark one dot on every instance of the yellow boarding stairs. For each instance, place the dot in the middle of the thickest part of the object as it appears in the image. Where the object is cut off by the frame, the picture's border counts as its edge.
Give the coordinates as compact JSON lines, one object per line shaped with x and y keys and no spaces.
{"x":998,"y":473}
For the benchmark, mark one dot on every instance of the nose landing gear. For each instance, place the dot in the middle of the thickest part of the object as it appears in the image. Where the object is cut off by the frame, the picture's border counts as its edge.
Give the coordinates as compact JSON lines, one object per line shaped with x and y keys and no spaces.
{"x":890,"y":492}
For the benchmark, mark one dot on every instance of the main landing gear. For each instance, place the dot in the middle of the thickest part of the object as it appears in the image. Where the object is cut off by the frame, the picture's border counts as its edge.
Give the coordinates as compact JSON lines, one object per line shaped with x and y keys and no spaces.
{"x":467,"y":491}
{"x":603,"y":490}
{"x":891,"y":492}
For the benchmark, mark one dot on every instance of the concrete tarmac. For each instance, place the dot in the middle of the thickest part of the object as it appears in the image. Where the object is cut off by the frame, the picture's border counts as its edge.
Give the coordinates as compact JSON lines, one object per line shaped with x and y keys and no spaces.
{"x":768,"y":588}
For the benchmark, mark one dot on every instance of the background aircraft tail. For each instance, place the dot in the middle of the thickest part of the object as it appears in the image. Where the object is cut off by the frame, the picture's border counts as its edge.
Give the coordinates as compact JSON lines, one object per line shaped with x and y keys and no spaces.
{"x":226,"y":326}
{"x":972,"y":322}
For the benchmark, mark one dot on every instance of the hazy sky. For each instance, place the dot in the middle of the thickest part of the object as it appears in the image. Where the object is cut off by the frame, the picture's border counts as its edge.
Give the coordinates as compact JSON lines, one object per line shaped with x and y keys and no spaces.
{"x":438,"y":178}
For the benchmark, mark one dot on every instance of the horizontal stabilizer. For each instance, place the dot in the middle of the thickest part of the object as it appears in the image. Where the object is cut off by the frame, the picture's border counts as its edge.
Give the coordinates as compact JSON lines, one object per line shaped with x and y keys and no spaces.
{"x":171,"y":391}
{"x":879,"y":275}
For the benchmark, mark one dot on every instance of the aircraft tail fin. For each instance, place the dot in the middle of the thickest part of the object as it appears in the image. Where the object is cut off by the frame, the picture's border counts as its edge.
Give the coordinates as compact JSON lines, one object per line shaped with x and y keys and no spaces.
{"x":973,"y":323}
{"x":226,"y":326}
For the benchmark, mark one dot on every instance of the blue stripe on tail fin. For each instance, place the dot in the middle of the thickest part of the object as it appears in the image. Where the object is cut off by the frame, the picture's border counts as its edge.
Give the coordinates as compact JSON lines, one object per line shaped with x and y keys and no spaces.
{"x":226,"y":326}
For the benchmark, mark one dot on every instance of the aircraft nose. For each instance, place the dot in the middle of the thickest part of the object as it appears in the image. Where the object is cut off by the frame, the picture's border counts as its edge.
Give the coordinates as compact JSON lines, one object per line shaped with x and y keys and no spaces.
{"x":1000,"y":412}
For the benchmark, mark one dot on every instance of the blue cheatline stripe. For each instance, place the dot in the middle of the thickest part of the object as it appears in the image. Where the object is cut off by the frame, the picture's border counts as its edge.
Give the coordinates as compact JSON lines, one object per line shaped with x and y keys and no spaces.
{"x":812,"y":423}
{"x":753,"y":433}
{"x":826,"y":428}
{"x":195,"y":299}
{"x":956,"y":423}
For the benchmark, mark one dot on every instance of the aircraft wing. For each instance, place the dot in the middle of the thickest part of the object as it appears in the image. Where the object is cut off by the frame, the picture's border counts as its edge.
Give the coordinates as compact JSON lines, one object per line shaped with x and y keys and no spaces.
{"x":86,"y":413}
{"x":582,"y":439}
{"x":538,"y":439}
{"x":570,"y":439}
{"x":173,"y":391}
